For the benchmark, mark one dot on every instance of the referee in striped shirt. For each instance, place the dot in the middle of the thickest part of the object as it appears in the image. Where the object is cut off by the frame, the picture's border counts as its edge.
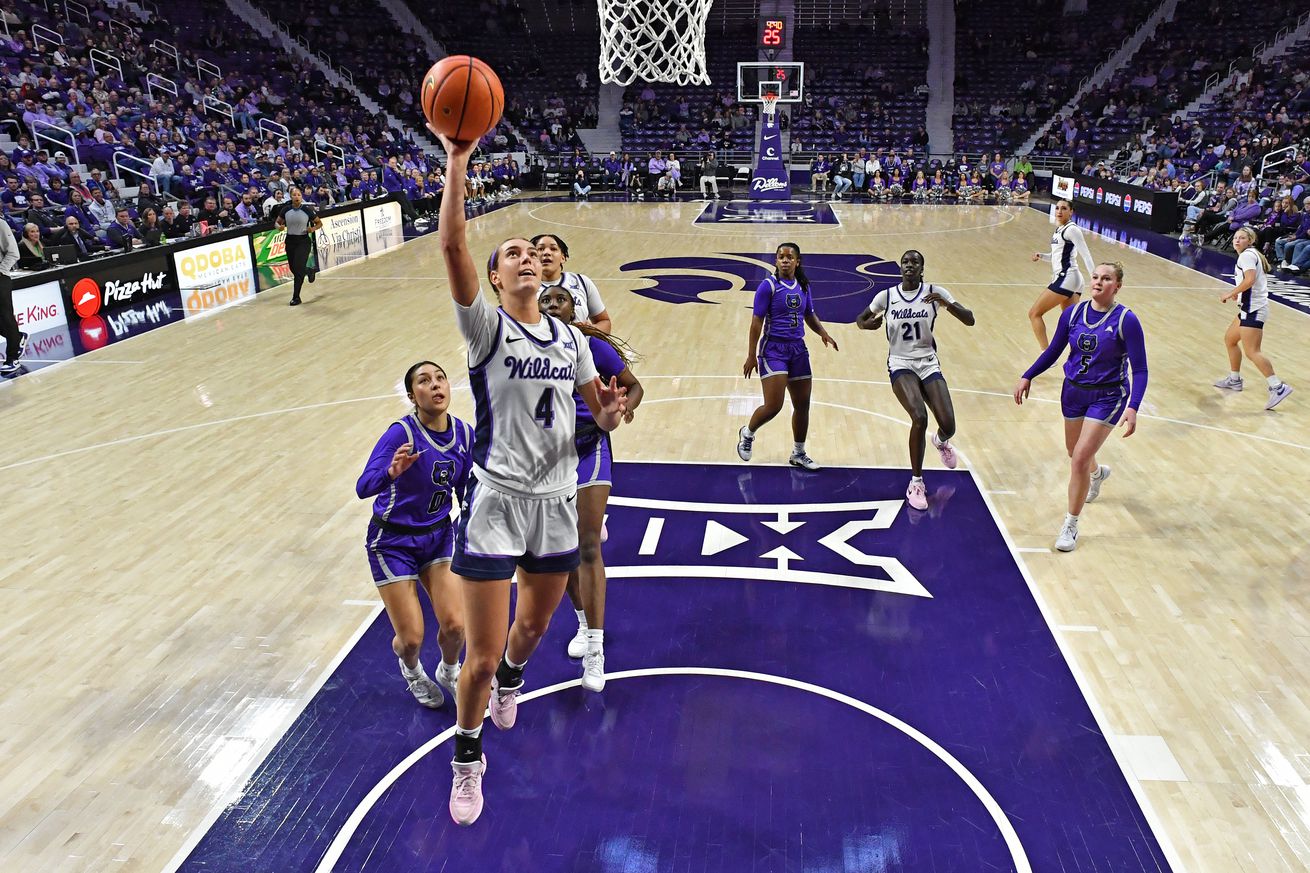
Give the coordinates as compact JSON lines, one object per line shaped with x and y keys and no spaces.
{"x":300,"y":220}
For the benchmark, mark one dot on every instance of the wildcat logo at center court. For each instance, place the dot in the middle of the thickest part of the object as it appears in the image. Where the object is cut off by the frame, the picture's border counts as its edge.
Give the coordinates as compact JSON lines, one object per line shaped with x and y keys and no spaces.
{"x":841,"y":284}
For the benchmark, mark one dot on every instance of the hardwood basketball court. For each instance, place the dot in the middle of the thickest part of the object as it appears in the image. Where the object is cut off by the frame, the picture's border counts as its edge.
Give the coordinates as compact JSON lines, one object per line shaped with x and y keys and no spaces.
{"x":183,"y":542}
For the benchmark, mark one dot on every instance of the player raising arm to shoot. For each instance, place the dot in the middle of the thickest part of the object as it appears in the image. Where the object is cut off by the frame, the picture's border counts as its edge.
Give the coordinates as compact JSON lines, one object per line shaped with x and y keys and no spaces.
{"x":521,"y":511}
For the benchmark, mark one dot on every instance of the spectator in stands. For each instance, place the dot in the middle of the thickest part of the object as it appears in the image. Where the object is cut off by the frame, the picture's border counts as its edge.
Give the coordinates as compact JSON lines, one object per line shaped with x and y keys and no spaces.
{"x":42,"y":216}
{"x":27,"y":170}
{"x":674,"y":168}
{"x":274,"y":202}
{"x":162,"y":171}
{"x":247,"y":212}
{"x":121,"y":232}
{"x":73,"y":234}
{"x":324,"y":198}
{"x":31,"y":253}
{"x":152,"y":232}
{"x":77,"y":208}
{"x":581,"y":185}
{"x":394,"y":183}
{"x":1193,"y":198}
{"x":1246,"y":212}
{"x":1282,"y":220}
{"x":63,"y":168}
{"x":1288,"y":247}
{"x":841,"y":176}
{"x":183,"y":222}
{"x":49,"y":170}
{"x":102,"y":211}
{"x":996,"y":167}
{"x":1221,"y":203}
{"x":819,"y":173}
{"x":96,"y":183}
{"x":15,"y":198}
{"x":655,"y":168}
{"x":1246,"y":182}
{"x":227,"y":213}
{"x":610,"y":169}
{"x":57,"y":195}
{"x":709,"y":174}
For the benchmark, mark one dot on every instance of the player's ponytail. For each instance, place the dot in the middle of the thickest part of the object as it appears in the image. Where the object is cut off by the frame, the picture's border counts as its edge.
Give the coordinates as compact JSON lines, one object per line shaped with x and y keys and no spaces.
{"x":800,"y":271}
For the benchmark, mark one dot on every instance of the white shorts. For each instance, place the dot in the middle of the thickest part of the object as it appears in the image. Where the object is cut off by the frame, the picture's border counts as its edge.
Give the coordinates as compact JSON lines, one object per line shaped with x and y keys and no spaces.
{"x":1254,"y":318}
{"x":1067,"y":283}
{"x":922,"y":369}
{"x":499,"y":532}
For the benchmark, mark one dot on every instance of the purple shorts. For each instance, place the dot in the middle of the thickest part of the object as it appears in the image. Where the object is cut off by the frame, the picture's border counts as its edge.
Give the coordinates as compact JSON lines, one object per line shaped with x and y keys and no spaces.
{"x":397,"y":557}
{"x":594,"y":457}
{"x":788,"y":358}
{"x":1103,"y":403}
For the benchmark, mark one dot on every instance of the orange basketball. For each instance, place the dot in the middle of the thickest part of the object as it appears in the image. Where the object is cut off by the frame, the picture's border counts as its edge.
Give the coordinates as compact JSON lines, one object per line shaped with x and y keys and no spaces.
{"x":462,"y":97}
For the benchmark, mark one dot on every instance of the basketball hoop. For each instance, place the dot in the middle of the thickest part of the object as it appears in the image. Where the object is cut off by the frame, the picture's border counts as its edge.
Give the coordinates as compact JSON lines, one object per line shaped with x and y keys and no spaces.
{"x":770,"y":104}
{"x":653,"y":40}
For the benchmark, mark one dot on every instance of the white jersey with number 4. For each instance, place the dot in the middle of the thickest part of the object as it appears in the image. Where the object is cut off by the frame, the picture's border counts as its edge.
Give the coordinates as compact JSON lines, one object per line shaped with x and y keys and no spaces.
{"x":522,"y":377}
{"x":909,"y":320}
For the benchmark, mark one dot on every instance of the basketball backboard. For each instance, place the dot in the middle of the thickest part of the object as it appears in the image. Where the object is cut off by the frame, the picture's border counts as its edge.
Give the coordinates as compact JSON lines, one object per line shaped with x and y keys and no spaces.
{"x":757,"y":78}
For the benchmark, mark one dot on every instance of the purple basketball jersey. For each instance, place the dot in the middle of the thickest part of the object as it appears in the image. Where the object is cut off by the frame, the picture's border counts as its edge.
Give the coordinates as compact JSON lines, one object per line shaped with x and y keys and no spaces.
{"x":608,"y":364}
{"x":422,"y":495}
{"x":783,"y":305}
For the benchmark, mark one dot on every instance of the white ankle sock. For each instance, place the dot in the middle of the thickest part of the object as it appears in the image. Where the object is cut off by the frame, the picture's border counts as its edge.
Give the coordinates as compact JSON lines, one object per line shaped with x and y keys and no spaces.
{"x":748,"y":433}
{"x":416,"y":670}
{"x":1069,"y":516}
{"x":1234,"y":375}
{"x":1096,"y":474}
{"x":798,"y":448}
{"x":582,"y":618}
{"x":449,"y":667}
{"x":1274,"y":381}
{"x":476,"y":732}
{"x":914,"y":479}
{"x":512,"y":664}
{"x":595,"y":639}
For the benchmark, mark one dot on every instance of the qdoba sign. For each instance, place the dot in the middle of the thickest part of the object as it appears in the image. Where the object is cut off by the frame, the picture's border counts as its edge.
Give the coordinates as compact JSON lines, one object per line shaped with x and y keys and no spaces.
{"x":215,"y":276}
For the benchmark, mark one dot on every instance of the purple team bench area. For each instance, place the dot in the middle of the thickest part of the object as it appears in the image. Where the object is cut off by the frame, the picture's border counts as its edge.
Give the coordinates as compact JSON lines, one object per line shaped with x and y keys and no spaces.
{"x":805,"y":675}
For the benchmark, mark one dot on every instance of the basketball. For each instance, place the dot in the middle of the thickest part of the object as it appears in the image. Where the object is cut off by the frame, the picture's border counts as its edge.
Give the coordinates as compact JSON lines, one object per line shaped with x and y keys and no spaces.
{"x":462,"y":97}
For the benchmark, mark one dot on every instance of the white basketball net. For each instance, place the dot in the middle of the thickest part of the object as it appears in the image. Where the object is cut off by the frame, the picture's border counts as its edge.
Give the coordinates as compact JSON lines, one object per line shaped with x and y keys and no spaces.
{"x":653,"y":40}
{"x":770,"y":103}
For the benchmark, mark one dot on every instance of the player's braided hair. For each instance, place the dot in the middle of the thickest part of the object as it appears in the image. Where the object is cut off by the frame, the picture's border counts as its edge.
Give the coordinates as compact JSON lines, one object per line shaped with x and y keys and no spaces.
{"x":627,"y":353}
{"x":800,"y":258}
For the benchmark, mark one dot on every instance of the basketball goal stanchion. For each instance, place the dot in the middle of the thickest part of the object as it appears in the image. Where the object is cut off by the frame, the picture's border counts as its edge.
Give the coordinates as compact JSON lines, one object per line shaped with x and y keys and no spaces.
{"x":655,"y":40}
{"x":772,"y":178}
